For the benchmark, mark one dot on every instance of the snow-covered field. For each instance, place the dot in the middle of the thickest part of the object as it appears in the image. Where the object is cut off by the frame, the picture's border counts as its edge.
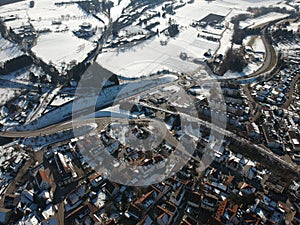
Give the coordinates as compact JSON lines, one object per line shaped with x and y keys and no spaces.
{"x":150,"y":56}
{"x":258,"y":45}
{"x":62,"y":48}
{"x":44,"y":12}
{"x":56,"y":42}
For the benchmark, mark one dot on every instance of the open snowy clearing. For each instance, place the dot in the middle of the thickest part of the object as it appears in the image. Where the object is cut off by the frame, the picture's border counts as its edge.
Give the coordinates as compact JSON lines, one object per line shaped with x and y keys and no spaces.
{"x":151,"y":57}
{"x":57,"y":23}
{"x":256,"y":43}
{"x":62,"y":48}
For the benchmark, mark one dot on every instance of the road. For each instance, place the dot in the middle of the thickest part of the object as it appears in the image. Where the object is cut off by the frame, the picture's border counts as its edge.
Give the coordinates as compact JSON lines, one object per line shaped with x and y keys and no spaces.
{"x":270,"y":55}
{"x":63,"y":126}
{"x":53,"y":129}
{"x":236,"y":138}
{"x":44,"y":102}
{"x":291,"y":92}
{"x":101,"y":124}
{"x":105,"y":120}
{"x":269,"y":63}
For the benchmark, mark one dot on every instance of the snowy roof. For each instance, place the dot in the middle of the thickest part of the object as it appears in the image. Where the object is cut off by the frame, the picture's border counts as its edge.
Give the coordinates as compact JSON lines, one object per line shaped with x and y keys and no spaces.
{"x":48,"y":212}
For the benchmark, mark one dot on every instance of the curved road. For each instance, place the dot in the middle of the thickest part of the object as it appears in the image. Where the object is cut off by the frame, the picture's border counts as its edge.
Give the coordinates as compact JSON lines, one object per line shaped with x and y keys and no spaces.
{"x":102,"y":122}
{"x":269,"y":63}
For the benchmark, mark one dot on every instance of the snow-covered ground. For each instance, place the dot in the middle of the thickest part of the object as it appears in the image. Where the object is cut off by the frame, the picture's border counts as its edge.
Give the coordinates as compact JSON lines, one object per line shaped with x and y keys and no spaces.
{"x":55,"y":23}
{"x":45,"y":12}
{"x":116,"y":11}
{"x":8,"y":50}
{"x":151,"y":56}
{"x":225,"y":42}
{"x":258,"y":50}
{"x":107,"y":96}
{"x":6,"y":94}
{"x":288,"y":46}
{"x":60,"y":49}
{"x":251,"y":23}
{"x":258,"y":45}
{"x":252,"y":67}
{"x":255,"y":42}
{"x":295,"y":26}
{"x":61,"y":100}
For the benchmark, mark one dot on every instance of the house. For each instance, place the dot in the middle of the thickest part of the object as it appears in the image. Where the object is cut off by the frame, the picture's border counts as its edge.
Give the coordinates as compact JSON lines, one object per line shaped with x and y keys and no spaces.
{"x":160,"y":188}
{"x":27,"y":196}
{"x":83,"y":215}
{"x":51,"y":221}
{"x":135,"y":211}
{"x":209,"y":202}
{"x":233,"y":163}
{"x":249,"y":172}
{"x":166,"y":213}
{"x":247,"y":189}
{"x":42,"y":180}
{"x":296,"y":219}
{"x":12,"y":201}
{"x":253,"y":130}
{"x":96,"y":180}
{"x":187,"y":220}
{"x":250,"y":219}
{"x":295,"y":139}
{"x":76,"y":195}
{"x":194,"y":199}
{"x":5,"y":215}
{"x":225,"y":214}
{"x":45,"y":195}
{"x":110,"y":188}
{"x":229,"y":182}
{"x":277,"y":218}
{"x":271,"y":136}
{"x":146,"y":221}
{"x":177,"y":196}
{"x":165,"y":218}
{"x":28,"y":219}
{"x":62,"y":165}
{"x":275,"y":184}
{"x":141,"y":206}
{"x":147,"y":200}
{"x":48,"y":212}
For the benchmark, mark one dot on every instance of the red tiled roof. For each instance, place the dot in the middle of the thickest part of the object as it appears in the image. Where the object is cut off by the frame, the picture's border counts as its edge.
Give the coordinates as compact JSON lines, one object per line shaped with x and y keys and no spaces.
{"x":44,"y":176}
{"x":141,"y":199}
